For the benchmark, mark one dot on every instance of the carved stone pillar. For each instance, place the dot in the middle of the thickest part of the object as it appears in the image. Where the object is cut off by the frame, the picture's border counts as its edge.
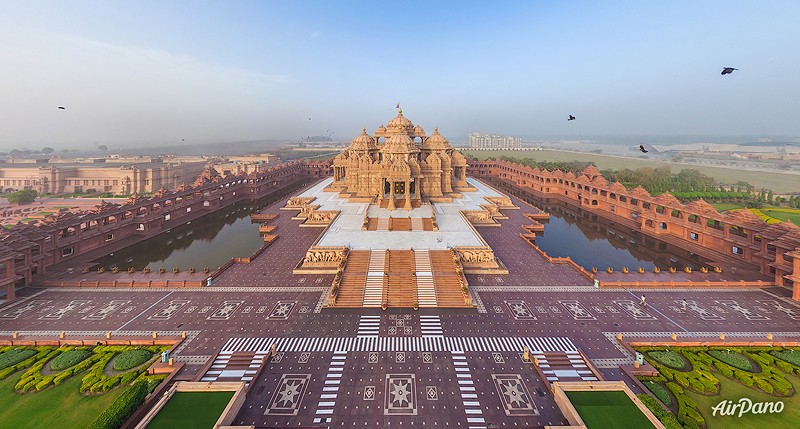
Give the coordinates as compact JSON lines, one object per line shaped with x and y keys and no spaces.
{"x":391,"y":195}
{"x":408,"y":195}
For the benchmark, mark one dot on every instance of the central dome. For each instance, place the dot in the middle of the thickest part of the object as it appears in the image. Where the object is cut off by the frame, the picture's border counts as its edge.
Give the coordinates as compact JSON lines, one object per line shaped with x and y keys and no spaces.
{"x":400,"y":122}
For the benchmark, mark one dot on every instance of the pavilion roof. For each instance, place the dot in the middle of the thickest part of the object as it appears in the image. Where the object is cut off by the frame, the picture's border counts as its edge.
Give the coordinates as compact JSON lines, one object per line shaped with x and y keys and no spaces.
{"x":776,"y":230}
{"x":591,"y":172}
{"x":639,"y":192}
{"x":618,"y":188}
{"x":789,"y":241}
{"x":7,"y":253}
{"x":599,"y":181}
{"x":746,"y":218}
{"x":667,"y":199}
{"x":14,"y":240}
{"x":701,"y":206}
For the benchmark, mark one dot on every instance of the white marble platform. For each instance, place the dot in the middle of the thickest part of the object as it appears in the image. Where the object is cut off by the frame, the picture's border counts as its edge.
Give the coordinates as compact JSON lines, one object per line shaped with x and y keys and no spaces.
{"x":453,"y":229}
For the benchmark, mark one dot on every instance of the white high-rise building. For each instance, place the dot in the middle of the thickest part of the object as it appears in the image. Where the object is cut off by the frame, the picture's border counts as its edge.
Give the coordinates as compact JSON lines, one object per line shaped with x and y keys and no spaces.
{"x":487,"y":141}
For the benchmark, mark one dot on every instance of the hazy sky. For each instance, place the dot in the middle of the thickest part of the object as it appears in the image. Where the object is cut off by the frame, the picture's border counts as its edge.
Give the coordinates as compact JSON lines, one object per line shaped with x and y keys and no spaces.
{"x":157,"y":72}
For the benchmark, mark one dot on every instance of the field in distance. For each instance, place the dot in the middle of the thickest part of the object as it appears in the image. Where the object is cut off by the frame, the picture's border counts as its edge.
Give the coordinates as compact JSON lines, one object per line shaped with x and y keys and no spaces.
{"x":779,"y":182}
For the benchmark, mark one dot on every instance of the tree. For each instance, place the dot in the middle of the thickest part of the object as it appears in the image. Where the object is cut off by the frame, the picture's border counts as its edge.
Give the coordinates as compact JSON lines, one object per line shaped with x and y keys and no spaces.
{"x":23,"y":197}
{"x":102,"y":147}
{"x":48,"y":150}
{"x":769,"y":197}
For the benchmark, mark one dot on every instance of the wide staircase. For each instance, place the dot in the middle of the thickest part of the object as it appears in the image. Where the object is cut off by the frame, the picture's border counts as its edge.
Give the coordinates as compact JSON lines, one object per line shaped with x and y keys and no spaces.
{"x":446,"y":280}
{"x":401,"y":224}
{"x":354,"y":279}
{"x":402,"y":287}
{"x":400,"y":278}
{"x":426,"y":292}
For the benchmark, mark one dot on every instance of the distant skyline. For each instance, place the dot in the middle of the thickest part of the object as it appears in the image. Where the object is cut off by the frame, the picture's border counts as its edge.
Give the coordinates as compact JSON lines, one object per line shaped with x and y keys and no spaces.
{"x":184,"y":72}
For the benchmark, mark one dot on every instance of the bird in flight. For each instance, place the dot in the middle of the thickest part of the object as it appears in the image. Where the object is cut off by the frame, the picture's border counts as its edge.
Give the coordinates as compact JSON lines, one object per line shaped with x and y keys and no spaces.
{"x":641,"y":148}
{"x":571,"y":118}
{"x":62,"y":108}
{"x":727,"y":70}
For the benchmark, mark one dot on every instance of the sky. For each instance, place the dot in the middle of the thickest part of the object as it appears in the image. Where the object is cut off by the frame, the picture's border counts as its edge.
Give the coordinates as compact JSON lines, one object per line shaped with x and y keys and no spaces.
{"x":142,"y":73}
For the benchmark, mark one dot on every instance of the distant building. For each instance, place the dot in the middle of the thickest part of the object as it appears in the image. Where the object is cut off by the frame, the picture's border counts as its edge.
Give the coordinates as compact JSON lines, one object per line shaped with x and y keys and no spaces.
{"x":487,"y":141}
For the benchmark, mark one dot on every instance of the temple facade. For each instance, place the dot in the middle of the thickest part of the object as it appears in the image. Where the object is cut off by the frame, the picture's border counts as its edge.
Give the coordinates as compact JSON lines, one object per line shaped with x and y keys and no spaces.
{"x":399,"y":162}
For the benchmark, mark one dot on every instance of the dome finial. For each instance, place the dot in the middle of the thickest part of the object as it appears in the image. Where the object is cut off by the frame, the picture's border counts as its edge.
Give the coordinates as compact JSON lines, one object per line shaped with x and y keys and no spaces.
{"x":399,"y":110}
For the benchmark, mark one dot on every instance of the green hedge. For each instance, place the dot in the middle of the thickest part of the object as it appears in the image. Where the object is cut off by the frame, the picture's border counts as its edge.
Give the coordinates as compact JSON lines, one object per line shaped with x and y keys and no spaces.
{"x":667,"y":418}
{"x":659,"y":391}
{"x":69,"y":358}
{"x":732,"y":358}
{"x":14,"y":356}
{"x":791,"y":356}
{"x":669,"y":358}
{"x":131,"y":359}
{"x":121,"y":409}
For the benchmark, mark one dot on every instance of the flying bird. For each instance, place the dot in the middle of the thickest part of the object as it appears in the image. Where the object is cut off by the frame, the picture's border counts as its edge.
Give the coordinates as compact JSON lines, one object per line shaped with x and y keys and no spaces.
{"x":62,"y":108}
{"x":641,"y":148}
{"x":727,"y":70}
{"x":571,"y":118}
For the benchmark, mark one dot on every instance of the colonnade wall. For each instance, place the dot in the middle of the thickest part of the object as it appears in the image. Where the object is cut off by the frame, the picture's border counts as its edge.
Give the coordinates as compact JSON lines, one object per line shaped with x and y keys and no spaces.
{"x":738,"y":236}
{"x":27,"y":250}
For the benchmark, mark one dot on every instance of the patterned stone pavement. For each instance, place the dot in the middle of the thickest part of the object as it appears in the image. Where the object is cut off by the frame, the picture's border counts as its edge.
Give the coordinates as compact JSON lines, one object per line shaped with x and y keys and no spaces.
{"x":401,"y":368}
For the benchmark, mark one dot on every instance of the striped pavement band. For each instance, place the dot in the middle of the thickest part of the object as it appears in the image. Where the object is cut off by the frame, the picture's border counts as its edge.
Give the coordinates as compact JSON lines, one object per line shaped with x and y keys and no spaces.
{"x":402,"y":344}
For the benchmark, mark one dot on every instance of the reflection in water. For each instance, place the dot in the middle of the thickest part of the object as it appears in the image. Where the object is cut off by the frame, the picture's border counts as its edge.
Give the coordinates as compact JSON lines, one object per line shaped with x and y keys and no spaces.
{"x":593,"y":241}
{"x":206,"y":242}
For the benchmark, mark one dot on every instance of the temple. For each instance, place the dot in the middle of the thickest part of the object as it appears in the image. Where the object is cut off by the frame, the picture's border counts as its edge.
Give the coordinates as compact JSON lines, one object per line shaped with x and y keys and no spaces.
{"x":400,"y":167}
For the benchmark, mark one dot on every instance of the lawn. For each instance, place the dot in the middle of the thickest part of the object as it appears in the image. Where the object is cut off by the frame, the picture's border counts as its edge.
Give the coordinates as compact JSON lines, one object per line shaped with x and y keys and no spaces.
{"x":60,"y":406}
{"x":600,"y":410}
{"x":783,"y":214}
{"x":731,"y":390}
{"x":721,"y":207}
{"x":191,"y":410}
{"x":778,"y":182}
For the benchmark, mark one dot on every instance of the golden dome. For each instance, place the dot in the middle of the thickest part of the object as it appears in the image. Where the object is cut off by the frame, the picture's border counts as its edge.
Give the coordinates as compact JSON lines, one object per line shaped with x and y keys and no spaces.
{"x":436,"y":141}
{"x":363,"y":142}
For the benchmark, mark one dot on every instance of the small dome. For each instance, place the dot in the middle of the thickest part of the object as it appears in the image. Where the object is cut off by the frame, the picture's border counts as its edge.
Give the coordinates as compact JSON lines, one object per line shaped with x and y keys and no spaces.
{"x":436,"y":141}
{"x":363,"y":142}
{"x":418,"y":130}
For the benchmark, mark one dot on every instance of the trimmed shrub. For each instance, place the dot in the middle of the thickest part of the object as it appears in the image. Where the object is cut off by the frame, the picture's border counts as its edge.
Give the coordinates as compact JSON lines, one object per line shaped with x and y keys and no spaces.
{"x":723,"y":368}
{"x":682,"y":379}
{"x":659,"y":391}
{"x":68,"y":359}
{"x":746,"y":379}
{"x":791,"y":356}
{"x":131,"y":358}
{"x":669,"y":358}
{"x":732,"y":358}
{"x":763,"y":385}
{"x":669,"y":420}
{"x":15,"y":356}
{"x":121,"y":409}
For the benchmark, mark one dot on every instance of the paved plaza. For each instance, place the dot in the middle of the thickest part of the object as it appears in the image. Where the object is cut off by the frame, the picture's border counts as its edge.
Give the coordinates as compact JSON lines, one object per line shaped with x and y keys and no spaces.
{"x":401,"y":368}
